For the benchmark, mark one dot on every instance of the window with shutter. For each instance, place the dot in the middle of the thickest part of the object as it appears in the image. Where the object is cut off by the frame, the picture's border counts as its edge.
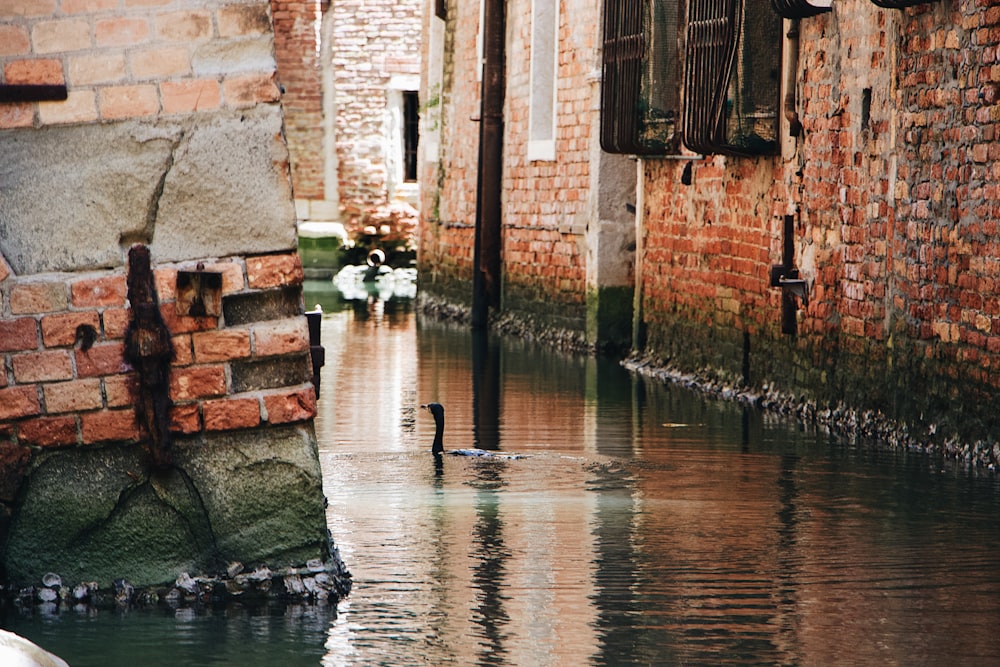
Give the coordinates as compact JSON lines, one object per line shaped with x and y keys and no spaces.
{"x":732,"y":82}
{"x":640,"y":77}
{"x":731,"y":85}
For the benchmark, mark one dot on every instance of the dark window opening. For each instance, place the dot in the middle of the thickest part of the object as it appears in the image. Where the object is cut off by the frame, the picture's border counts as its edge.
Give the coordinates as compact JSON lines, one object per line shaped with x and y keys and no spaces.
{"x":640,"y":73}
{"x":866,"y":108}
{"x":732,"y":77}
{"x":706,"y":74}
{"x":411,"y":134}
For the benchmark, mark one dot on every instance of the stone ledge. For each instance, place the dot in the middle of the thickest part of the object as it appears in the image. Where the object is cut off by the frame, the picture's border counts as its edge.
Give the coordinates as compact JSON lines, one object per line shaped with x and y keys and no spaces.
{"x":316,"y":582}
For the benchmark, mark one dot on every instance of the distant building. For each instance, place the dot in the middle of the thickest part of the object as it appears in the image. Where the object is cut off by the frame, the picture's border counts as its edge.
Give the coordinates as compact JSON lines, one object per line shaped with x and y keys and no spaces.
{"x":350,"y":79}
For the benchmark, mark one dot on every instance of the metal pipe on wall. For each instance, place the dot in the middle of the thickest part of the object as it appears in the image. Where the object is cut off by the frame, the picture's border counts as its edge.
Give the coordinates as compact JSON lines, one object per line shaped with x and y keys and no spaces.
{"x":488,"y":238}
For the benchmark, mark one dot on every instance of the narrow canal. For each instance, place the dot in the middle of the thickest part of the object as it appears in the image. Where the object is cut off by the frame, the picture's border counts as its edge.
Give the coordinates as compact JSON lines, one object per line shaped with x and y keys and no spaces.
{"x":645,"y":525}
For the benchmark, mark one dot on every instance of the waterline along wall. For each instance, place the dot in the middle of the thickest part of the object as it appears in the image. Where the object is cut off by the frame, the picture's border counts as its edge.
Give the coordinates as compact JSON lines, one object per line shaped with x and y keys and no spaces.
{"x":168,"y":137}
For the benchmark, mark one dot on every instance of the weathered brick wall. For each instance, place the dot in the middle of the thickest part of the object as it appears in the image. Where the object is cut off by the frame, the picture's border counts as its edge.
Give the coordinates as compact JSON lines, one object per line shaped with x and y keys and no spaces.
{"x":140,"y":60}
{"x":171,"y":136}
{"x":146,"y":60}
{"x":299,"y":52}
{"x":892,"y":191}
{"x":546,"y":204}
{"x":372,"y":42}
{"x":448,"y":184}
{"x":890,"y":187}
{"x":707,"y":252}
{"x":58,"y":392}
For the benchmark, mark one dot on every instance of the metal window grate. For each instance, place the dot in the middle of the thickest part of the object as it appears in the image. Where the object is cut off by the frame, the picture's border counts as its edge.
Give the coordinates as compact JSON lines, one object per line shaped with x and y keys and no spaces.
{"x":732,"y":84}
{"x":712,"y":36}
{"x":640,"y":80}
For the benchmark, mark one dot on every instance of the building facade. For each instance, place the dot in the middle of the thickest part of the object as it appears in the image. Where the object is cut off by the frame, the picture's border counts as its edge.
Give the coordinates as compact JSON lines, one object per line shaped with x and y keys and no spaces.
{"x":813,"y":202}
{"x":566,"y":225}
{"x":350,"y":75}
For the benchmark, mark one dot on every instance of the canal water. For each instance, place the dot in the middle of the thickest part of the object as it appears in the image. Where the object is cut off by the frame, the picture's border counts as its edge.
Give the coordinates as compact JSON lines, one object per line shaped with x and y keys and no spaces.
{"x":643,"y":525}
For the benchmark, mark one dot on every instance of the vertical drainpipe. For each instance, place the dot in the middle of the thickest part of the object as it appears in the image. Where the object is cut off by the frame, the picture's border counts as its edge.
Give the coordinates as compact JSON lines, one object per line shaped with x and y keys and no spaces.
{"x":486,"y":252}
{"x":638,"y":316}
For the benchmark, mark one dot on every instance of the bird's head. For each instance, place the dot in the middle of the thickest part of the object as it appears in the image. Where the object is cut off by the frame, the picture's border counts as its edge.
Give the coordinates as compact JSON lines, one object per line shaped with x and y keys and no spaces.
{"x":435,"y":409}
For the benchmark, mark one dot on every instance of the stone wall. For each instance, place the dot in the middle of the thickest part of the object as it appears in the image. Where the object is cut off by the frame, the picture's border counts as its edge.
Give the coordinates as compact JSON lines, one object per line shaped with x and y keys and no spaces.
{"x":171,"y":137}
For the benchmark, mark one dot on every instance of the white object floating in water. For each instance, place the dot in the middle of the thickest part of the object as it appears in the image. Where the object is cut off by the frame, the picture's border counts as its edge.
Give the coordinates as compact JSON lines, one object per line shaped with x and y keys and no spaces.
{"x":388,"y":283}
{"x":16,"y":651}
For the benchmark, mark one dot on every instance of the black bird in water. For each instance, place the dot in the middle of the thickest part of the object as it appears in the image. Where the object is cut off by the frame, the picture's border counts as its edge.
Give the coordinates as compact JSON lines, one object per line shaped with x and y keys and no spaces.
{"x":437,"y":410}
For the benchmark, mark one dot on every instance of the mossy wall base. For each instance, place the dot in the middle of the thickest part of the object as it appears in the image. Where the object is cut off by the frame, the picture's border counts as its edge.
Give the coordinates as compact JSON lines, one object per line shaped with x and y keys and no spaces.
{"x":905,"y":381}
{"x":97,"y":514}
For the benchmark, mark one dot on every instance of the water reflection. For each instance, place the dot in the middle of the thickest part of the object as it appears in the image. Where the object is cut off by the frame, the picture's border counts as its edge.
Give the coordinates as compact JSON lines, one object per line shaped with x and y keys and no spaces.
{"x":485,"y":391}
{"x":488,"y":573}
{"x":648,"y":526}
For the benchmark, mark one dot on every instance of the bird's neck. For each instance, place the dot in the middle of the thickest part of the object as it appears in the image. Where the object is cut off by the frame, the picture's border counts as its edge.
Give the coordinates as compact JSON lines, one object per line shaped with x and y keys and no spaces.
{"x":438,"y":446}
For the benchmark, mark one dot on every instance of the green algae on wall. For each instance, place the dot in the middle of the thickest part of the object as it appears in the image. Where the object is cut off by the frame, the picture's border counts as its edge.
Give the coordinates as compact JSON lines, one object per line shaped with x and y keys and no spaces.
{"x":96,"y":513}
{"x":609,"y":317}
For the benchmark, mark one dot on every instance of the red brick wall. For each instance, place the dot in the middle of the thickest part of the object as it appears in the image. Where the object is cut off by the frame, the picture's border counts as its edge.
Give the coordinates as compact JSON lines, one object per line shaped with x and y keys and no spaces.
{"x":891,"y":186}
{"x":372,"y":41}
{"x":892,"y":189}
{"x":54,"y":393}
{"x":708,"y":248}
{"x":135,"y":60}
{"x":344,"y":55}
{"x":545,"y":203}
{"x":126,"y":62}
{"x":300,"y":72}
{"x":448,"y":185}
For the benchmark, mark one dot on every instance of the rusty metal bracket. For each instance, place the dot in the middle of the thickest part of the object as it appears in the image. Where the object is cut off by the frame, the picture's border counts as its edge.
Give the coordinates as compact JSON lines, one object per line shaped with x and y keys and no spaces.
{"x":199,"y":293}
{"x":150,"y":351}
{"x":316,"y":351}
{"x":786,"y":277}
